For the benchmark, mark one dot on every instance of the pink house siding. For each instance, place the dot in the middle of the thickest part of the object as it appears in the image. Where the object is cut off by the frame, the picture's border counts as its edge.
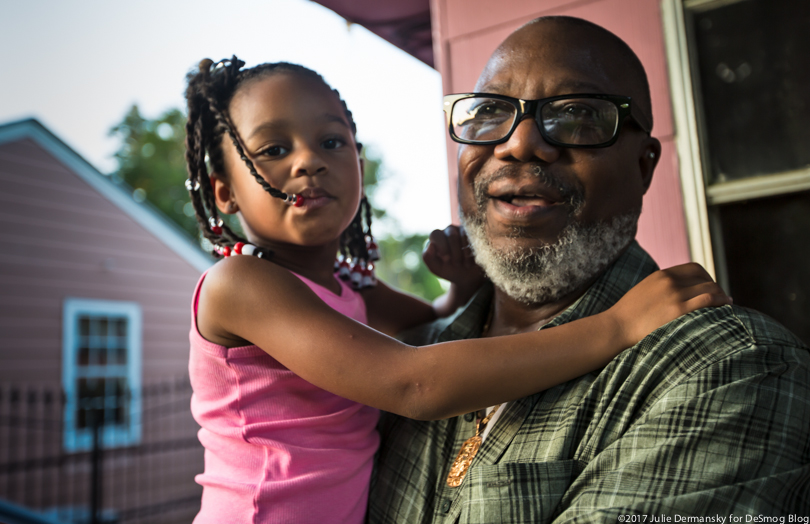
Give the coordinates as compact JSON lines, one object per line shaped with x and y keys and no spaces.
{"x":61,"y":238}
{"x":465,"y":32}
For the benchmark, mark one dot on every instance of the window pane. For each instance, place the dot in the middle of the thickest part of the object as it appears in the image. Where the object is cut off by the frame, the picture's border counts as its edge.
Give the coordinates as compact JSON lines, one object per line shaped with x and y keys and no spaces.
{"x":120,"y":404}
{"x":767,"y":244}
{"x":94,"y":340}
{"x":121,"y":327}
{"x":755,"y":85}
{"x":105,"y":398}
{"x":90,"y":387}
{"x":89,"y":401}
{"x":84,"y":326}
{"x":83,"y":356}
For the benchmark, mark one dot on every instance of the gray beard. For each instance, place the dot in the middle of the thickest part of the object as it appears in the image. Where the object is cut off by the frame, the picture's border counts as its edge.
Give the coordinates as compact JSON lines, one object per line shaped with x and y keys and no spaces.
{"x":548,"y":273}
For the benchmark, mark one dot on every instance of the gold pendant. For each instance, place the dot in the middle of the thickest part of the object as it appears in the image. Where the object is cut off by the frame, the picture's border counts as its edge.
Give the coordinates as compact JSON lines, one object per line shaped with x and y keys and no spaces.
{"x":462,"y":463}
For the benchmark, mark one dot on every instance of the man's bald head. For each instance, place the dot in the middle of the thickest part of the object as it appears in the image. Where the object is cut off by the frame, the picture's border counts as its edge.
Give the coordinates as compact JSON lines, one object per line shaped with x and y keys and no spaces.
{"x":593,"y":47}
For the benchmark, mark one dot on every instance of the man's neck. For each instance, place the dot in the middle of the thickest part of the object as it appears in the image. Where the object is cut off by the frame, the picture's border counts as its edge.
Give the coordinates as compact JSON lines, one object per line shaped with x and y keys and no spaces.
{"x":510,"y":316}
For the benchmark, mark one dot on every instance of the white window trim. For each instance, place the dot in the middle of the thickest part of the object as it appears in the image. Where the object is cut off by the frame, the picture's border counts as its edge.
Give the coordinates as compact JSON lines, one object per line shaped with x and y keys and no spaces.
{"x":759,"y":186}
{"x":82,"y":439}
{"x":687,"y":141}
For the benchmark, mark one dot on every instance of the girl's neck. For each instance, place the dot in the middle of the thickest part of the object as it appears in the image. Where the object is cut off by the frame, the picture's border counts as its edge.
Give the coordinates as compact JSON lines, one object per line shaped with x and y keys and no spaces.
{"x":316,"y":263}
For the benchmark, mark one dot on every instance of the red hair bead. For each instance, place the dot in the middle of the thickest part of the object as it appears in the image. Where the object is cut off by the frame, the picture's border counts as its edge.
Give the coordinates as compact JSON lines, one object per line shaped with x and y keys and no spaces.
{"x":215,"y":225}
{"x":237,"y":248}
{"x":299,"y":201}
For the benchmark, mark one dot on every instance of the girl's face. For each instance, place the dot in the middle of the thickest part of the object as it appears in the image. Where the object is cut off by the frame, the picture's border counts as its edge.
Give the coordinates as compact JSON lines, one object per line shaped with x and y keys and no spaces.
{"x":296,"y":132}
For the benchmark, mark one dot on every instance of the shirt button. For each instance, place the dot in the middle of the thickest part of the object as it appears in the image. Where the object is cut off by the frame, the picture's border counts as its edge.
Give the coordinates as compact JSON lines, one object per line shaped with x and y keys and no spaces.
{"x":469,"y":417}
{"x":446,"y":505}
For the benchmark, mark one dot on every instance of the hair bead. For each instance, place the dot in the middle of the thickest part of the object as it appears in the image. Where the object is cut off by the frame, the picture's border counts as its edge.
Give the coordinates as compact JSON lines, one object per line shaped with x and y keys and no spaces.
{"x":344,"y":271}
{"x":215,"y":225}
{"x":356,"y":277}
{"x":373,"y":249}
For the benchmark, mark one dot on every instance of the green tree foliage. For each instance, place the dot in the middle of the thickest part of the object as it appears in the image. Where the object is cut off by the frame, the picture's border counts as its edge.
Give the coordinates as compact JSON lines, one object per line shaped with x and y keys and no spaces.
{"x":151,"y":161}
{"x":401,"y":265}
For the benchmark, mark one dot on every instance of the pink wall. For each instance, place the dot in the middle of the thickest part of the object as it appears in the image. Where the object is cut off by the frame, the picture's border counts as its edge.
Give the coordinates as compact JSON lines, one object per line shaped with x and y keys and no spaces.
{"x":465,"y":32}
{"x":61,"y":238}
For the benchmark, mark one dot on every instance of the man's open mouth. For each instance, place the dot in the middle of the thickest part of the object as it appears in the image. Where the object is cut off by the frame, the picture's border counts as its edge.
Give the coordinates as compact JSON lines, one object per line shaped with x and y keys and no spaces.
{"x":519,"y":193}
{"x":525,"y":200}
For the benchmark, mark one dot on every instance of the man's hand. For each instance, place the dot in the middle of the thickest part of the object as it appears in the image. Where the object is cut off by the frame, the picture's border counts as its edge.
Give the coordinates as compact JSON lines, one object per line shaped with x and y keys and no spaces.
{"x":448,"y":255}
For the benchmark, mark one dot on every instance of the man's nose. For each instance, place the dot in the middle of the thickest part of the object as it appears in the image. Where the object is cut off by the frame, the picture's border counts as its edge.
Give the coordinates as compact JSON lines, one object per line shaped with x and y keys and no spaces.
{"x":527,"y":144}
{"x":308,"y":161}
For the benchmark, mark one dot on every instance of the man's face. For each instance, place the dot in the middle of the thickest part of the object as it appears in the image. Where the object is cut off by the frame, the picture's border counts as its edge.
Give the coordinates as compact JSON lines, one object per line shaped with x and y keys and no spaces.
{"x":525,"y":194}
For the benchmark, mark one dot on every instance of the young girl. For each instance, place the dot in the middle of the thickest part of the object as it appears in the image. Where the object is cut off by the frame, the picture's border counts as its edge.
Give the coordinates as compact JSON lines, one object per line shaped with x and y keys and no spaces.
{"x":273,"y":325}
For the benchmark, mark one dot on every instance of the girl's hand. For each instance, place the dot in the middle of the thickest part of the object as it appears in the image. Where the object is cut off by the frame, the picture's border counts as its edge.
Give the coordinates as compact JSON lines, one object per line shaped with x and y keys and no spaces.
{"x":448,"y":255}
{"x":664,"y":296}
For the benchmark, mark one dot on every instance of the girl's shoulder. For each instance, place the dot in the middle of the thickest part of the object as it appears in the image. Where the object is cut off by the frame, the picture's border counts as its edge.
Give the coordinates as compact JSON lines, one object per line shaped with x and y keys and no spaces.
{"x":241,"y":289}
{"x":241,"y":279}
{"x":239,"y":272}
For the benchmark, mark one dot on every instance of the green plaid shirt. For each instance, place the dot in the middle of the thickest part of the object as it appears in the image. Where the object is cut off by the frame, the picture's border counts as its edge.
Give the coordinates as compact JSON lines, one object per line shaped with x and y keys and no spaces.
{"x":707,"y":416}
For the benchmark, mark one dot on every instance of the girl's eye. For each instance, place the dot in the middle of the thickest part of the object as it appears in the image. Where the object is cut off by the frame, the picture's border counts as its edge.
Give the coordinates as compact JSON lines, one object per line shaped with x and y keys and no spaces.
{"x":333,"y":143}
{"x":274,"y":151}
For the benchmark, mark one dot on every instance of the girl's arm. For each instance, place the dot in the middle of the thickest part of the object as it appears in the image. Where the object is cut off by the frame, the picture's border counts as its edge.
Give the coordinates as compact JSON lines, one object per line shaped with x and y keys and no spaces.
{"x":448,"y":256}
{"x":248,"y":299}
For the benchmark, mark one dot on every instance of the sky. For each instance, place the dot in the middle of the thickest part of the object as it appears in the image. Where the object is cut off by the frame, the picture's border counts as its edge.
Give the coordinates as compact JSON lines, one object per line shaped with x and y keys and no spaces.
{"x":78,"y":66}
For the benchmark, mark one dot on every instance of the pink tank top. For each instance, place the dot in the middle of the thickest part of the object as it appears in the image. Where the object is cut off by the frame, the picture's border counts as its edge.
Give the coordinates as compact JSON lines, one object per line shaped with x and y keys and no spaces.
{"x":277,"y":448}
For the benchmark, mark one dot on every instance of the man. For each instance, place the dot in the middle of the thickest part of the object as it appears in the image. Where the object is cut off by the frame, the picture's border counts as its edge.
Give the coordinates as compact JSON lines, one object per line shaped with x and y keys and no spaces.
{"x":708,"y":416}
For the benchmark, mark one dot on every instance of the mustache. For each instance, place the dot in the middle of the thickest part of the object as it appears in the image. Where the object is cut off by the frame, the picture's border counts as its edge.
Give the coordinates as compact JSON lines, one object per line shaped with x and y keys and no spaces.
{"x":571,"y":191}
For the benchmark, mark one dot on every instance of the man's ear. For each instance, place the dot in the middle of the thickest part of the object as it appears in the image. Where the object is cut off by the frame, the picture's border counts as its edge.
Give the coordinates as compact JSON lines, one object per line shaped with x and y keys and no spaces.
{"x":648,"y":159}
{"x":223,"y":195}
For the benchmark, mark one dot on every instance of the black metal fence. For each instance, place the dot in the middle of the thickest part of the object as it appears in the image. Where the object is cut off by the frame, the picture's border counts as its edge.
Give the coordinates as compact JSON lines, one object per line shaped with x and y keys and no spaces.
{"x":150,"y":481}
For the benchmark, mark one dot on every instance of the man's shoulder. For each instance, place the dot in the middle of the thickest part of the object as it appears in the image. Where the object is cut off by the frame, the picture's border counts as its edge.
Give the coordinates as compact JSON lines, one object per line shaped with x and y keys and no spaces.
{"x":730,"y":328}
{"x":763,"y":329}
{"x":726,"y":343}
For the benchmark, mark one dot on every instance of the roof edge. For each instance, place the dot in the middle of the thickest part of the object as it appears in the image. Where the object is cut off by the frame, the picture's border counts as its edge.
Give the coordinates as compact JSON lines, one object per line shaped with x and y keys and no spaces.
{"x":142,"y":213}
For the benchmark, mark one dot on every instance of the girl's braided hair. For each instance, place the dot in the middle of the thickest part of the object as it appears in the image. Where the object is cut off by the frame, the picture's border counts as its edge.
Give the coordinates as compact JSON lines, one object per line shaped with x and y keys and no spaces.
{"x":210,"y":90}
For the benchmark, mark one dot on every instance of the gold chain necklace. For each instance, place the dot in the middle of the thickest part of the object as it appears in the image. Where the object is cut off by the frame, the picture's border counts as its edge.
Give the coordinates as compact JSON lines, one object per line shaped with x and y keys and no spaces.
{"x":470,"y":446}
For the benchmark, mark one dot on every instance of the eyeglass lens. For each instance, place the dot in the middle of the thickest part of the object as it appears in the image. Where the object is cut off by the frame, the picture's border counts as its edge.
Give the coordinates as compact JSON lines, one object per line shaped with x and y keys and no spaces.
{"x":570,"y":121}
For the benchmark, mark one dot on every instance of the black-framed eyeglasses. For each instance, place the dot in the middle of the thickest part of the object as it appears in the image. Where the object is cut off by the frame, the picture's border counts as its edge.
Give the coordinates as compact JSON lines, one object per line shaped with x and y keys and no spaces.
{"x":578,"y":120}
